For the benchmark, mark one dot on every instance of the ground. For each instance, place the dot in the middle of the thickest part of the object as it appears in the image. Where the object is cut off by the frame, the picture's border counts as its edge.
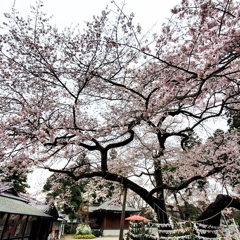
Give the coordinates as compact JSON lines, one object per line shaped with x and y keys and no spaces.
{"x":70,"y":237}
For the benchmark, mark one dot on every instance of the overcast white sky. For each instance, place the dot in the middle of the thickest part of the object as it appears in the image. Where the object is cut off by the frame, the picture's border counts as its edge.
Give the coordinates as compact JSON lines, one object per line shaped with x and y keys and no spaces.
{"x":66,"y":12}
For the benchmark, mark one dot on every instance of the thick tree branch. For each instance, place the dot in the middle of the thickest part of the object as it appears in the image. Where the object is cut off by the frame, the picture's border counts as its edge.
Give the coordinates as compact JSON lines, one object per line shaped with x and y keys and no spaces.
{"x":187,"y":182}
{"x":142,"y":192}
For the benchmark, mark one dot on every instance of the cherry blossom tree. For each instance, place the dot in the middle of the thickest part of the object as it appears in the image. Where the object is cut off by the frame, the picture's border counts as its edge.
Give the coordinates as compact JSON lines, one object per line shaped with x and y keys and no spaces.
{"x":112,"y":89}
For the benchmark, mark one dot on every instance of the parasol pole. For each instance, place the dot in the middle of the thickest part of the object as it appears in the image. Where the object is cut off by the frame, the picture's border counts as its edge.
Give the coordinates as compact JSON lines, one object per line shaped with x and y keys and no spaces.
{"x":123,"y":213}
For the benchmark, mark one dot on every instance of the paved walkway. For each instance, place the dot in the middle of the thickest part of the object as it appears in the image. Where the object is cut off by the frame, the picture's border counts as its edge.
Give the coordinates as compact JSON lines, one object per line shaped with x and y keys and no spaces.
{"x":70,"y":237}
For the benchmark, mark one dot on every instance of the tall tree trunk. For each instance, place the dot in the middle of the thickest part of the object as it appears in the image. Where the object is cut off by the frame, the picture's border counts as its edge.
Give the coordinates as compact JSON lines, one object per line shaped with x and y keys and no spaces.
{"x":161,"y":212}
{"x":71,"y":230}
{"x":123,"y":213}
{"x":177,"y":204}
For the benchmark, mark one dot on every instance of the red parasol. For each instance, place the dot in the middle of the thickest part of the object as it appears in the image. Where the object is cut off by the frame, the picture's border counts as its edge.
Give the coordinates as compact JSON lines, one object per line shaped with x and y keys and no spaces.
{"x":136,"y":218}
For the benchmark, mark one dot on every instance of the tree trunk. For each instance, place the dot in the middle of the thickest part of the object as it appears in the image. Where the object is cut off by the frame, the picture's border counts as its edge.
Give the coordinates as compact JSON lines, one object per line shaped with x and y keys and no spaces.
{"x":212,"y":215}
{"x":160,"y":211}
{"x":123,"y":213}
{"x":178,"y":207}
{"x":71,"y":230}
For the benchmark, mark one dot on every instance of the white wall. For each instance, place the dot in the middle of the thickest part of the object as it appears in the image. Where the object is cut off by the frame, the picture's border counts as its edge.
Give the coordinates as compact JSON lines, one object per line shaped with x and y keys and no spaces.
{"x":113,"y":232}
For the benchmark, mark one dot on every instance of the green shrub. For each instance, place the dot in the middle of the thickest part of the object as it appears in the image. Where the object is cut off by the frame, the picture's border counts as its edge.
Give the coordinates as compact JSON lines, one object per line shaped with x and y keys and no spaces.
{"x":238,"y":222}
{"x":83,"y":229}
{"x":87,"y":236}
{"x":97,"y":233}
{"x":67,"y":228}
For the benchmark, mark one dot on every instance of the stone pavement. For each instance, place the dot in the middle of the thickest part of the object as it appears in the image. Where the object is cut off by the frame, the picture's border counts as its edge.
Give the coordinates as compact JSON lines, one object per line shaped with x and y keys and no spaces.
{"x":70,"y":237}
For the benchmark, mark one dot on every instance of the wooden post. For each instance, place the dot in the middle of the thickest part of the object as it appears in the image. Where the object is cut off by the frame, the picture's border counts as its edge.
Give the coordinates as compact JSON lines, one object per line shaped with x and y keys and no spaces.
{"x":123,"y":213}
{"x":191,"y":229}
{"x":5,"y":225}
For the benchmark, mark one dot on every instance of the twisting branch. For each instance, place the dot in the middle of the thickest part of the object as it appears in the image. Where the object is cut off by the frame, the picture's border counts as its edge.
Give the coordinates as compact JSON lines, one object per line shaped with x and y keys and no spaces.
{"x":186,"y":183}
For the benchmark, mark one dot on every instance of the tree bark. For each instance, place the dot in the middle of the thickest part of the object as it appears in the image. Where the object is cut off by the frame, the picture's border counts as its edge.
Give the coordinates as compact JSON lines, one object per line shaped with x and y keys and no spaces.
{"x":160,"y":210}
{"x":178,"y":207}
{"x":212,"y":215}
{"x":123,"y":213}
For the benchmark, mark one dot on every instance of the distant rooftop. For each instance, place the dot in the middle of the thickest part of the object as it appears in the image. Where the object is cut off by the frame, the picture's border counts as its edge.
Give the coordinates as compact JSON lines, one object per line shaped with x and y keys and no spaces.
{"x":7,"y":190}
{"x":111,"y":206}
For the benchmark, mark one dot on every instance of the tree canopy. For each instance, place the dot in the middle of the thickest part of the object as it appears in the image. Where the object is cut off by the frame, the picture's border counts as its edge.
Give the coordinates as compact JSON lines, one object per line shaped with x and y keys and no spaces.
{"x":112,"y":87}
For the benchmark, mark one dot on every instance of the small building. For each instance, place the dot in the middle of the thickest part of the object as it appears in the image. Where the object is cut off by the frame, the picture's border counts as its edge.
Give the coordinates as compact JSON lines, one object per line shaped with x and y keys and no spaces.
{"x":58,"y":220}
{"x":58,"y":227}
{"x":107,"y":217}
{"x":19,"y":220}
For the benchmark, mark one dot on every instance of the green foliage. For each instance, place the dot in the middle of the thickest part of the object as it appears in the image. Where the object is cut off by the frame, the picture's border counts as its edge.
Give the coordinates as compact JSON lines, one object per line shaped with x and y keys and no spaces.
{"x":238,"y":222}
{"x":234,"y":121}
{"x":107,"y":185}
{"x":19,"y":180}
{"x":83,"y":229}
{"x":147,"y":212}
{"x":201,"y":184}
{"x":190,"y":211}
{"x":191,"y":141}
{"x":75,"y":201}
{"x":67,"y":184}
{"x":67,"y":228}
{"x":97,"y":233}
{"x":169,"y":168}
{"x":87,"y":236}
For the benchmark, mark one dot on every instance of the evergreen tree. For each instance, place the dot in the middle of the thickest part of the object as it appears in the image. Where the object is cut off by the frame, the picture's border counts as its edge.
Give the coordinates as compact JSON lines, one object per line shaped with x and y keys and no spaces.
{"x":19,"y":179}
{"x":70,"y":193}
{"x":234,"y":120}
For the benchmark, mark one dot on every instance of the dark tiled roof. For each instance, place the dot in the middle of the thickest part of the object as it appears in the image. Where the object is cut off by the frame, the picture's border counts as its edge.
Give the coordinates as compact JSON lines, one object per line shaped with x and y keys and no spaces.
{"x":7,"y":190}
{"x":9,"y":205}
{"x":8,"y":187}
{"x":10,"y":195}
{"x":109,"y":206}
{"x":49,"y":209}
{"x":7,"y":184}
{"x":43,"y":208}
